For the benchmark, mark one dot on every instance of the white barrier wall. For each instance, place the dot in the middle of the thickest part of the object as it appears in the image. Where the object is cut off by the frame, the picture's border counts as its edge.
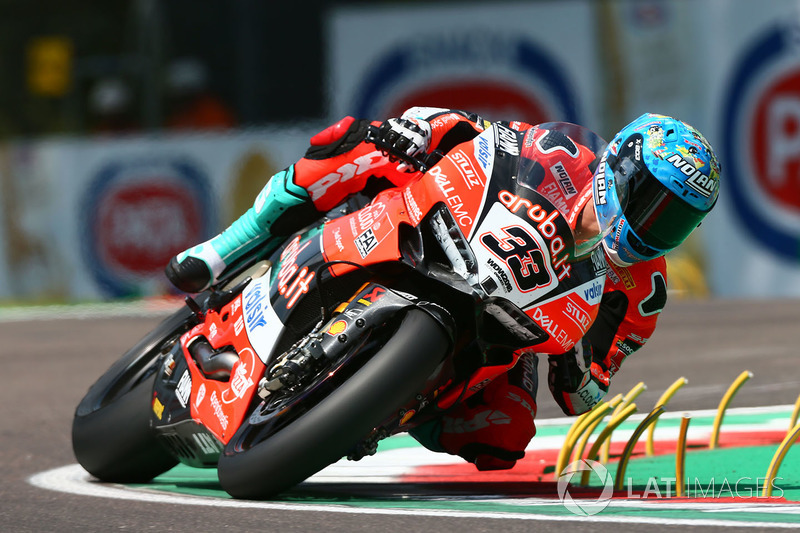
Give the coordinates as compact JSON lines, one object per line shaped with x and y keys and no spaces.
{"x":753,"y":102}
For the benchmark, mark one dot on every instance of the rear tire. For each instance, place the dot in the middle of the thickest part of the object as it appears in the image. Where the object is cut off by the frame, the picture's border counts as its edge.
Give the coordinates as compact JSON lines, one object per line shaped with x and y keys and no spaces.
{"x":117,"y":444}
{"x":112,"y":437}
{"x":329,"y":430}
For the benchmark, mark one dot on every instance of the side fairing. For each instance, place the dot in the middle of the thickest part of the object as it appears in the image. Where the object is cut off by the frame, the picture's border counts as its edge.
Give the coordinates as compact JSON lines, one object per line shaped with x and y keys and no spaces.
{"x":273,"y":300}
{"x":261,"y":322}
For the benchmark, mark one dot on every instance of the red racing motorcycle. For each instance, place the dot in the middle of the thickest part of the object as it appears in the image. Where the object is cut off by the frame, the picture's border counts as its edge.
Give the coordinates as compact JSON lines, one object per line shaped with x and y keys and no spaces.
{"x":362,"y":327}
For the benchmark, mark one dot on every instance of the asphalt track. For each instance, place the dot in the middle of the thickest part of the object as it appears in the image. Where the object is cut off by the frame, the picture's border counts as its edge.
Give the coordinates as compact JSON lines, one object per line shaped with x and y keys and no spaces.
{"x":48,"y":363}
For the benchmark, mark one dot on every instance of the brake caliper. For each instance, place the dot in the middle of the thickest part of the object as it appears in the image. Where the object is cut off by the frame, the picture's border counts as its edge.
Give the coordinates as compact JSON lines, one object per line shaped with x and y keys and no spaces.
{"x":372,"y":306}
{"x":294,"y":365}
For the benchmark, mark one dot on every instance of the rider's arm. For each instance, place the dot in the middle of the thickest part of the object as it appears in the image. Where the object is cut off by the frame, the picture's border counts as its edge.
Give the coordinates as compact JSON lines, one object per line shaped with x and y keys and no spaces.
{"x":576,"y":381}
{"x":339,"y":161}
{"x":632,"y":300}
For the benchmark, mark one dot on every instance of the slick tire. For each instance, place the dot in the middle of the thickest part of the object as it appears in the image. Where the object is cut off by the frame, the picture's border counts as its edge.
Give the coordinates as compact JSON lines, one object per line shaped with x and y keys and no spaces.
{"x":116,"y":444}
{"x":111,"y":432}
{"x":327,"y":432}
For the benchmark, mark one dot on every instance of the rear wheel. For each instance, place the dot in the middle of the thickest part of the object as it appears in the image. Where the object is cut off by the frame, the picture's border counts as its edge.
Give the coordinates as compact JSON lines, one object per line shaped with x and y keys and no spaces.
{"x":335,"y":424}
{"x":111,"y":432}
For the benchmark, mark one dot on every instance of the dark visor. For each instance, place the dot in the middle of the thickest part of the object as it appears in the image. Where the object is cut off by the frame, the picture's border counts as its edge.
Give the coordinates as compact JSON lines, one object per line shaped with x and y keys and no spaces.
{"x":655,"y":214}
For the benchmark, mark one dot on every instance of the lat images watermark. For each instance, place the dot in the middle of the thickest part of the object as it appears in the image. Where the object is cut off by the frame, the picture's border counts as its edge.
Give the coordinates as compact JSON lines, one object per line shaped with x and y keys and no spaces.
{"x":591,"y":503}
{"x":585,"y":506}
{"x":743,"y":487}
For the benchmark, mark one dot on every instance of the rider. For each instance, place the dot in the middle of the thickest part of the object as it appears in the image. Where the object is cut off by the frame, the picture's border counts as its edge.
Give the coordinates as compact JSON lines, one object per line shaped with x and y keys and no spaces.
{"x":655,"y":182}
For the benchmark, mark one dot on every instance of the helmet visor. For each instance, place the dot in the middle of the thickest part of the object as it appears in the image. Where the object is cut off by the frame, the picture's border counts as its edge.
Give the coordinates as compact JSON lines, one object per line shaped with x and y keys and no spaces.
{"x":660,"y":218}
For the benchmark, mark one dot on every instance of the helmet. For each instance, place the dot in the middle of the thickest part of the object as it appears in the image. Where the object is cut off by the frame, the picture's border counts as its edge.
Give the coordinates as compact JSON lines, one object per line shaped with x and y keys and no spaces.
{"x":656,"y":181}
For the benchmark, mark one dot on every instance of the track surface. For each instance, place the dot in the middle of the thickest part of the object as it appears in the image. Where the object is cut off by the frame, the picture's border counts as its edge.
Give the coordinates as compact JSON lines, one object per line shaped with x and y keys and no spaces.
{"x":48,"y":365}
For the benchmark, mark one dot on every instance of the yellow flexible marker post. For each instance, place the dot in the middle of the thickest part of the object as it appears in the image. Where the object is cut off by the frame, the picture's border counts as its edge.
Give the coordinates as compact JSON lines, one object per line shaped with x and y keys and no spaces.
{"x":680,"y":456}
{"x":649,"y":449}
{"x":795,"y":414}
{"x":777,"y":459}
{"x":569,"y":443}
{"x":626,"y":454}
{"x":629,"y":397}
{"x":723,"y":405}
{"x":605,"y":435}
{"x":566,"y":448}
{"x":575,"y":425}
{"x":612,"y":403}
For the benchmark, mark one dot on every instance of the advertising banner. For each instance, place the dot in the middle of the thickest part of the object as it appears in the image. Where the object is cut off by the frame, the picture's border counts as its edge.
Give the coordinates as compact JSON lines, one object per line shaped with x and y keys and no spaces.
{"x":532,"y":62}
{"x":85,"y":219}
{"x":730,"y":68}
{"x":753,"y":237}
{"x":100,"y":218}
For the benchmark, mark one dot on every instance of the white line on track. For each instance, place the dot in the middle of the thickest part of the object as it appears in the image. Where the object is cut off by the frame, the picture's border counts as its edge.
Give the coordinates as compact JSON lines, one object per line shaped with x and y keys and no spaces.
{"x":74,"y":480}
{"x":140,"y":308}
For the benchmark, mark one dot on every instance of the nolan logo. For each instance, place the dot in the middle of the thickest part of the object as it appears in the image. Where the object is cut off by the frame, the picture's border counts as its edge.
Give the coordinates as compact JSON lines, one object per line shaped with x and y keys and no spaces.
{"x":563,"y":180}
{"x":695,"y":179}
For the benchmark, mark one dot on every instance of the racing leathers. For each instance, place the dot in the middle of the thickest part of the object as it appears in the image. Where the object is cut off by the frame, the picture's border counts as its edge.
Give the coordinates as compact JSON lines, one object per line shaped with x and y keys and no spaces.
{"x":491,"y":428}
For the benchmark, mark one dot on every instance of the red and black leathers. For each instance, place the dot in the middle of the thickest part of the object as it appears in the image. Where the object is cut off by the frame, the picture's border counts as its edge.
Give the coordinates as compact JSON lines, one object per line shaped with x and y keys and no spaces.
{"x":492,"y":428}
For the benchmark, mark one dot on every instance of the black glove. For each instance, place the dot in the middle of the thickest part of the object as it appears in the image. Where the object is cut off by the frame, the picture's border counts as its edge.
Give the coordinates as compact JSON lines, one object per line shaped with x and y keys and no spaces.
{"x":403,"y":139}
{"x":576,"y":382}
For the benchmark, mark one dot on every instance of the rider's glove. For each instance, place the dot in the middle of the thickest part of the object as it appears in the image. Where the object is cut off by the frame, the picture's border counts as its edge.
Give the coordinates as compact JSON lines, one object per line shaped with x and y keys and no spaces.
{"x":405,"y":136}
{"x":576,"y":382}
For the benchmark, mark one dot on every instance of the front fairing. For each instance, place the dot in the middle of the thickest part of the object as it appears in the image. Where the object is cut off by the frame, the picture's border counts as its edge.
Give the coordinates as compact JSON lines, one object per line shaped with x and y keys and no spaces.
{"x":520,"y":233}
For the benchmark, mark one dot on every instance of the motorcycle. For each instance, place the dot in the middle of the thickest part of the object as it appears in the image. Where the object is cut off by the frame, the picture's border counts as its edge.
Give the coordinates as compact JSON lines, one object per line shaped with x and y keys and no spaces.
{"x":364,"y":326}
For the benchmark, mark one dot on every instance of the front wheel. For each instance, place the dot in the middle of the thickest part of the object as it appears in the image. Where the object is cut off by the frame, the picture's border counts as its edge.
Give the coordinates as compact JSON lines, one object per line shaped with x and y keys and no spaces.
{"x":331,"y":428}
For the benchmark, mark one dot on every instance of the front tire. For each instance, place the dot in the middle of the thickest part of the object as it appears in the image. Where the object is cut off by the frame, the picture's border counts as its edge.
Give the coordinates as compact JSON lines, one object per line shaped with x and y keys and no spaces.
{"x":320,"y":437}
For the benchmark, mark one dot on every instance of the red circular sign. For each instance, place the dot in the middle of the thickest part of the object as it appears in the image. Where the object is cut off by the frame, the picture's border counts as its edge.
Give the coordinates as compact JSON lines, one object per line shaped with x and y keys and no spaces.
{"x":776,"y":140}
{"x":497,"y":101}
{"x":141,"y":225}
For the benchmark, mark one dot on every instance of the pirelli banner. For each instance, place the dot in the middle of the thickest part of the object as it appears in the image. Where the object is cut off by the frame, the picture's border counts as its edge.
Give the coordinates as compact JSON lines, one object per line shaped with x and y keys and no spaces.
{"x":730,"y":68}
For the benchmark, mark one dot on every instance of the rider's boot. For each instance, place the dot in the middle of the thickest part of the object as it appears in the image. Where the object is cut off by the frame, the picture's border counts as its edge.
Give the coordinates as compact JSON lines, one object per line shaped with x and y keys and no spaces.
{"x":281,"y":208}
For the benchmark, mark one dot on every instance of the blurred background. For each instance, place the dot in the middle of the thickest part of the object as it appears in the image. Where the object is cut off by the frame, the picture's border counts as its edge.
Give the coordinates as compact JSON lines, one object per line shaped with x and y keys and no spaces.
{"x":132,"y":129}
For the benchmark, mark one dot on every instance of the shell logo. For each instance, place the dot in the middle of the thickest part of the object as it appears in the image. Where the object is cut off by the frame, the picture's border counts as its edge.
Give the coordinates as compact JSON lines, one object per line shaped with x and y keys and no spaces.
{"x":337,"y":328}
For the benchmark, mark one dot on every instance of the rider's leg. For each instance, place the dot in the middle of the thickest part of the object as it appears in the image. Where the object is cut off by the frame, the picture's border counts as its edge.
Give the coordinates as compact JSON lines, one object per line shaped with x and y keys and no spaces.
{"x":280,"y":208}
{"x":492,"y":428}
{"x":337,"y":164}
